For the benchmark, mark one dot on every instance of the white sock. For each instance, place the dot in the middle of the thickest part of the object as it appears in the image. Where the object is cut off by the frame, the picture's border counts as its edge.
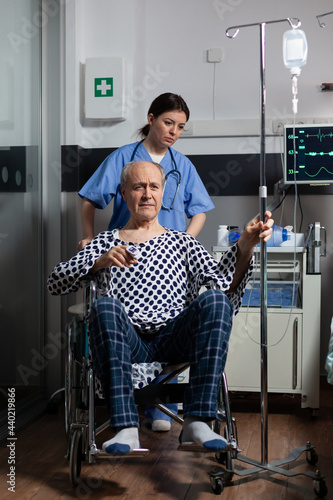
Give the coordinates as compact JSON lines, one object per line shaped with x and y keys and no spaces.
{"x":123,"y":442}
{"x":200,"y":433}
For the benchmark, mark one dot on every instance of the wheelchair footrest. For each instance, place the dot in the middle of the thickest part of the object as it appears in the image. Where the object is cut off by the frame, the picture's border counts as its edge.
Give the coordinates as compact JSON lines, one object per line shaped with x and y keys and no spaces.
{"x":138,"y":452}
{"x":195,"y":448}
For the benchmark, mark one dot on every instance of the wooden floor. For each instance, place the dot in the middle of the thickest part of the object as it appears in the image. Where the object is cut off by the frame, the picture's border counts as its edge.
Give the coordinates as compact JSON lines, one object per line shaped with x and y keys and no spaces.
{"x":41,"y":470}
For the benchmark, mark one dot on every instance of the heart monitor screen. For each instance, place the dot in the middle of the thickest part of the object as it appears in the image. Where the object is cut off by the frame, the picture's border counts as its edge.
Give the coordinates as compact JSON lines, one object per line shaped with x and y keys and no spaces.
{"x":308,"y":157}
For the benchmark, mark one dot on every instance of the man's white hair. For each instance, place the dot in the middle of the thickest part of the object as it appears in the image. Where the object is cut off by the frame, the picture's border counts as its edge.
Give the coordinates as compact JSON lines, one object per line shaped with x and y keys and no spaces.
{"x":128,"y":166}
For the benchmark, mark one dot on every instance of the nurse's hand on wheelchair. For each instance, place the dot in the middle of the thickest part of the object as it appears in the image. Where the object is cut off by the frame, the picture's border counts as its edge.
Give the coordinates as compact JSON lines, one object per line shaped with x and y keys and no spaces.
{"x":83,"y":243}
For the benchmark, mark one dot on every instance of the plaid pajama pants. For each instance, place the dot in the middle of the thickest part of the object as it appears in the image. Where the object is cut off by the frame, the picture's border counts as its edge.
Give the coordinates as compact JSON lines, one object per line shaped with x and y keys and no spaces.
{"x":199,"y":334}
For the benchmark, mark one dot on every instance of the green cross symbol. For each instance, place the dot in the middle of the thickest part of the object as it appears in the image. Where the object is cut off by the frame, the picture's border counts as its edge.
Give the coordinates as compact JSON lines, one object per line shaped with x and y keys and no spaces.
{"x":103,"y":87}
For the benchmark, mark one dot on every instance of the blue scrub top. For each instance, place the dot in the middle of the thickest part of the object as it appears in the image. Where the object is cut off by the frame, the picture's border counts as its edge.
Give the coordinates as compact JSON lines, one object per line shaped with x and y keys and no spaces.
{"x":192,"y":197}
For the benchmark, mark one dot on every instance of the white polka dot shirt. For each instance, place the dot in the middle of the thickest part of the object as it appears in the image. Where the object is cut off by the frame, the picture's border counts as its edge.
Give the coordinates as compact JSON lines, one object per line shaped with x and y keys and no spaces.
{"x":169,"y":274}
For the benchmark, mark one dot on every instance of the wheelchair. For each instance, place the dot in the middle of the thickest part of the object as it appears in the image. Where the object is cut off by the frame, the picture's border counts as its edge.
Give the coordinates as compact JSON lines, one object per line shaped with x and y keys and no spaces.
{"x":82,"y":397}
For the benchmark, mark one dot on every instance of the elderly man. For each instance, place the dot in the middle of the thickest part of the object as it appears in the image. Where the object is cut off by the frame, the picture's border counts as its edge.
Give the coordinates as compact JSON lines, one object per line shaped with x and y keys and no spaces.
{"x":151,"y":309}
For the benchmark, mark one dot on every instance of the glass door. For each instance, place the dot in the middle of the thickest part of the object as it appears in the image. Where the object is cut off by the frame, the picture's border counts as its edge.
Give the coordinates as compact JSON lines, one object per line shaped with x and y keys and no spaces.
{"x":21,"y":256}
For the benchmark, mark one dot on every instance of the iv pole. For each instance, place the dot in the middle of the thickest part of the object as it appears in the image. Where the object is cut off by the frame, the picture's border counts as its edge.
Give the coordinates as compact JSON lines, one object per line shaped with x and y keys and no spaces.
{"x":294,"y":23}
{"x":321,"y":24}
{"x":312,"y":457}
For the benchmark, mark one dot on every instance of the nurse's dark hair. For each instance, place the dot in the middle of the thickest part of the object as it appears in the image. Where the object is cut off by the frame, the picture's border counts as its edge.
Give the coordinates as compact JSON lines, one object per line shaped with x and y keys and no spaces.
{"x":162,"y":104}
{"x":128,"y":166}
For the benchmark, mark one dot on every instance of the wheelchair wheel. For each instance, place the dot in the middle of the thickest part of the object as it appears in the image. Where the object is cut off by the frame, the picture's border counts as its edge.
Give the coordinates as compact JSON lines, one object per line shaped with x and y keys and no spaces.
{"x":72,"y":383}
{"x":76,"y":456}
{"x":217,"y":486}
{"x":69,"y":375}
{"x":68,"y":396}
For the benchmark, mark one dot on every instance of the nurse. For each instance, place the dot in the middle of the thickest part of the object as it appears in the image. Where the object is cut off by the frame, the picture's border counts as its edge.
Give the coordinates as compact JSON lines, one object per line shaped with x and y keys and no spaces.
{"x":184,"y":192}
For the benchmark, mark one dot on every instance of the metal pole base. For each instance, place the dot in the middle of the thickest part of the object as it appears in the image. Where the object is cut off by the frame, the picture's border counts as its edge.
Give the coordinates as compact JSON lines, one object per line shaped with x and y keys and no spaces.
{"x":274,"y":467}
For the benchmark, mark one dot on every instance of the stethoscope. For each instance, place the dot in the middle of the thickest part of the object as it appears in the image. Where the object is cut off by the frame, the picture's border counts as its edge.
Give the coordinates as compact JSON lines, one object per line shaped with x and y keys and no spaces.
{"x":174,"y":172}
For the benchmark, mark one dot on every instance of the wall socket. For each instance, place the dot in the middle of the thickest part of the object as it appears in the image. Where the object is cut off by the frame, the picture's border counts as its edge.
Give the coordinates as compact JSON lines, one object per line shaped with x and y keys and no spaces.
{"x":214,"y":55}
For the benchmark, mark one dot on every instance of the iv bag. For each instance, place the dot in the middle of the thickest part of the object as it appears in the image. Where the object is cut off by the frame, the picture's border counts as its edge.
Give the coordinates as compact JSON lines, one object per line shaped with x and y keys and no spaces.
{"x":295,"y":50}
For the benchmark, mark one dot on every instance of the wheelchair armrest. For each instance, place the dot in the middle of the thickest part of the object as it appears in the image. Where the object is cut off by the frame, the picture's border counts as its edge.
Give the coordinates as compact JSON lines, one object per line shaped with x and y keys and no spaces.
{"x":89,"y":294}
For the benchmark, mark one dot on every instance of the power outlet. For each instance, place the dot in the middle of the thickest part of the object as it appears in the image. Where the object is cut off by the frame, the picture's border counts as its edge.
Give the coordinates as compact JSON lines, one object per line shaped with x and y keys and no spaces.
{"x":277,"y":126}
{"x":214,"y":55}
{"x":188,"y":129}
{"x":278,"y":123}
